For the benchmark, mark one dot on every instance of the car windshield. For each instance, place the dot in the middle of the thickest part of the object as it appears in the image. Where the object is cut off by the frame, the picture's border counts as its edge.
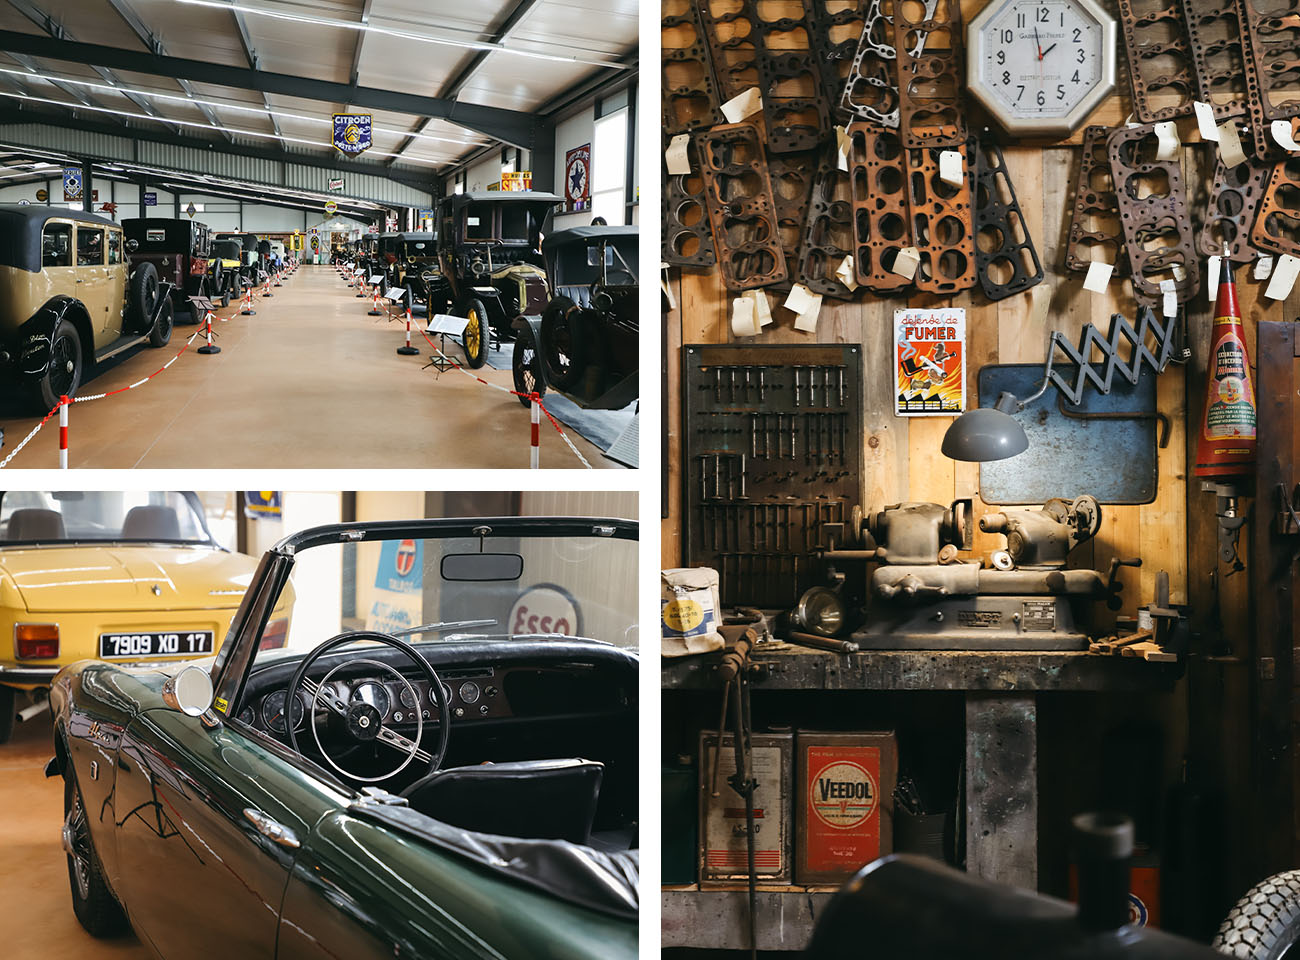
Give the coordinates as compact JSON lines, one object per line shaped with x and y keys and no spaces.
{"x":70,"y":517}
{"x":490,"y":587}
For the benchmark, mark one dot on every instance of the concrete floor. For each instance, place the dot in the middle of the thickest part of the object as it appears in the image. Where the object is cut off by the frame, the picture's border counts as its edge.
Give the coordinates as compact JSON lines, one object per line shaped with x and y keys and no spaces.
{"x":310,"y":382}
{"x":36,"y":918}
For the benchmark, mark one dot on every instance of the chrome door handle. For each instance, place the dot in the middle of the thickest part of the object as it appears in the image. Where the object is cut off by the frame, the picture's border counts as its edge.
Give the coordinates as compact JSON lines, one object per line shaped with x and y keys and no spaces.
{"x":273,"y":831}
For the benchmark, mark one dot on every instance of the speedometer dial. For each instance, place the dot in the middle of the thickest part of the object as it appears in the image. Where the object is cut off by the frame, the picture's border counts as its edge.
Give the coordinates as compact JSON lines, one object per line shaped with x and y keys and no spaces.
{"x":408,"y":697}
{"x":375,"y":694}
{"x":273,"y":712}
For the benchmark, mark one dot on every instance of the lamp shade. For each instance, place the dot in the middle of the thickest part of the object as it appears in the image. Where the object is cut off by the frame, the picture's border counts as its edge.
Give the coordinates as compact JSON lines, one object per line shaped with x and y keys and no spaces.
{"x":985,"y":433}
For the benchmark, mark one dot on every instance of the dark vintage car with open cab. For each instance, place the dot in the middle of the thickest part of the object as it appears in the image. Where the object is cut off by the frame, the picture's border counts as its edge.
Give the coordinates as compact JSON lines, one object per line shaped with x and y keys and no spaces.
{"x":414,"y":266}
{"x":489,"y":252}
{"x":585,"y":343}
{"x":179,"y":252}
{"x":69,"y":299}
{"x":440,"y":762}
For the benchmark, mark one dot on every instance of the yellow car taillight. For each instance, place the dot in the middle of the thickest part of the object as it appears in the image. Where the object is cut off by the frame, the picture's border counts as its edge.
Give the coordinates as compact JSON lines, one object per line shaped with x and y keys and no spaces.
{"x":36,"y":641}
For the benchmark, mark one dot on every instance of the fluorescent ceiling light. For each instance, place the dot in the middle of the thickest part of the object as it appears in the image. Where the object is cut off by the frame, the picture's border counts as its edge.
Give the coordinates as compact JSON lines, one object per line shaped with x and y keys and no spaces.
{"x":218,"y":104}
{"x":205,"y":126}
{"x":403,"y":34}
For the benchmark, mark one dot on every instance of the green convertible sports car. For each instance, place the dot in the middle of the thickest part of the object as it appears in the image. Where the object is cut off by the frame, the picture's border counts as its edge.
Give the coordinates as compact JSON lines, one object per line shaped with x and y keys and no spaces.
{"x":434,"y":763}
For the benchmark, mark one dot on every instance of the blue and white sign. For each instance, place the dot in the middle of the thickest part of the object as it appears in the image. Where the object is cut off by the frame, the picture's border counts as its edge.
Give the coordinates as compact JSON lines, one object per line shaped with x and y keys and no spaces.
{"x":352,"y":133}
{"x":399,"y":586}
{"x":71,"y":183}
{"x":151,"y":199}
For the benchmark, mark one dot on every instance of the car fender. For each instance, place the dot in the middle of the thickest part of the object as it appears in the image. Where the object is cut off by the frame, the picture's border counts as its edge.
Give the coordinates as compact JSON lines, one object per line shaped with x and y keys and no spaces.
{"x":36,"y":336}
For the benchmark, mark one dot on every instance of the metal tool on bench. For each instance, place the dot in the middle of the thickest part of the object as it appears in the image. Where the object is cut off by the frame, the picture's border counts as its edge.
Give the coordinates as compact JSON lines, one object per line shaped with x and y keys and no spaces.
{"x":734,"y":673}
{"x":923,"y":597}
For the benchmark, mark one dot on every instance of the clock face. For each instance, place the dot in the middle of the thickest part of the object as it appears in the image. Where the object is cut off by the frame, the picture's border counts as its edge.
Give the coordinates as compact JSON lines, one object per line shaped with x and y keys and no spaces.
{"x":1037,"y":65}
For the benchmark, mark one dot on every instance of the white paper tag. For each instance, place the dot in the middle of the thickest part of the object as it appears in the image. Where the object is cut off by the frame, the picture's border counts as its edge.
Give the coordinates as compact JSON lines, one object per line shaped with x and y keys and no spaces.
{"x":906,"y":262}
{"x":666,"y":286}
{"x":1212,"y":267}
{"x":678,"y":163}
{"x":1283,"y":135}
{"x":950,"y":167}
{"x":845,"y":273}
{"x":1099,"y":272}
{"x":806,"y":320}
{"x":1180,"y":274}
{"x":1263,"y":267}
{"x":1230,"y":145}
{"x":762,"y":310}
{"x":1167,"y":140}
{"x":1205,"y":121}
{"x":743,"y":323}
{"x":1284,"y":274}
{"x":743,"y":105}
{"x":842,"y":148}
{"x":799,"y":299}
{"x":1169,"y":298}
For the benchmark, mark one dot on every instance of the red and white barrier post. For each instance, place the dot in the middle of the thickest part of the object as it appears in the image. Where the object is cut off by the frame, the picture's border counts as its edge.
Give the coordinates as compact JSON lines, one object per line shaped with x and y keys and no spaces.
{"x":266,"y":287}
{"x":374,"y":310}
{"x":208,"y":347}
{"x":407,"y":350}
{"x":535,"y":415}
{"x":64,"y":403}
{"x":247,"y":303}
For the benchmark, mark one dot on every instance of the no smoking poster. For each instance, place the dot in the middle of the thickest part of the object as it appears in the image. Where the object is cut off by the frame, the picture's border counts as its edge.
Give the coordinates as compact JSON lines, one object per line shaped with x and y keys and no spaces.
{"x":930,"y":362}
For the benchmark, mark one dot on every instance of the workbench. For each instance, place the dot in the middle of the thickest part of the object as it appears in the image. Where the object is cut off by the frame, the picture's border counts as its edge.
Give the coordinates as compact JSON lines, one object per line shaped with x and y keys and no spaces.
{"x":1001,"y":748}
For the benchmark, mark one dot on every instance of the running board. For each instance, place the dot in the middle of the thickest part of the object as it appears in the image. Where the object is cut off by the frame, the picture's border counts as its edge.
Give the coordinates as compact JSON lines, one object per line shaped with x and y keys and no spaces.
{"x":120,"y":344}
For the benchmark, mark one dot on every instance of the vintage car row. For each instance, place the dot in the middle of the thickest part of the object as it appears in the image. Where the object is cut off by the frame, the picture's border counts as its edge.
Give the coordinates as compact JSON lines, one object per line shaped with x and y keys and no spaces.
{"x":72,"y":296}
{"x":126,"y":577}
{"x":455,"y":788}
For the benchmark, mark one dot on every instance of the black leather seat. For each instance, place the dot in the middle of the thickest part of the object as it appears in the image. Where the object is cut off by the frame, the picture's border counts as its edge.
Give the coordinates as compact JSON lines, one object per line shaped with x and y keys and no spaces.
{"x":151,"y":523}
{"x":530,"y":799}
{"x":31,"y":523}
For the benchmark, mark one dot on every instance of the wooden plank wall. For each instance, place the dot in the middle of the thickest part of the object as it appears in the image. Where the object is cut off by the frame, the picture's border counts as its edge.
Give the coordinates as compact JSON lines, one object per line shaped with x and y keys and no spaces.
{"x":902,"y":455}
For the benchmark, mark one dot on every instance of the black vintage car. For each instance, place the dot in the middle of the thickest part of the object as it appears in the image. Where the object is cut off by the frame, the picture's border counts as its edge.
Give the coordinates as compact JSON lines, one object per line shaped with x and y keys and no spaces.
{"x":414,"y":265}
{"x":250,"y":264}
{"x":179,"y":251}
{"x":585,"y":342}
{"x":489,"y":252}
{"x":225,"y":271}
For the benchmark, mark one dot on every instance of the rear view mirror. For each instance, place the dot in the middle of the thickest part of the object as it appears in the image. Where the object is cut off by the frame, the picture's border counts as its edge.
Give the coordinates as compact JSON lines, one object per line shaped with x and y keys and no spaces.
{"x":132,"y":245}
{"x":482,"y":567}
{"x":189,"y":691}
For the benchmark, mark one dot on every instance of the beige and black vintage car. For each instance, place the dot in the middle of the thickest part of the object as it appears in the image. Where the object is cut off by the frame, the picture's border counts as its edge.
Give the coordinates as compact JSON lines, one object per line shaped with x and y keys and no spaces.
{"x":69,"y":299}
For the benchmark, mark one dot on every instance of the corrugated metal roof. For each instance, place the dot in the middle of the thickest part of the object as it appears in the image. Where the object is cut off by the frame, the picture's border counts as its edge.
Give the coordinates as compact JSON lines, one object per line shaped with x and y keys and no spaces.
{"x":98,"y":146}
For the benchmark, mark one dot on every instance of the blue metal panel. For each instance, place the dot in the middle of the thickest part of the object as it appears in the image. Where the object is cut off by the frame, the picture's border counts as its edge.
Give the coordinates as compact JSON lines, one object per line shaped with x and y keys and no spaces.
{"x":1113,"y":460}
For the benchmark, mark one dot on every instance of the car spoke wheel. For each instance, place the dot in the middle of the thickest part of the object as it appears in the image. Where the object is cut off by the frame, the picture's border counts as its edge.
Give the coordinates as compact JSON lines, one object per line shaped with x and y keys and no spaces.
{"x":62,"y":375}
{"x":527,"y":369}
{"x":94,"y":904}
{"x":563,"y":343}
{"x":476,"y":334}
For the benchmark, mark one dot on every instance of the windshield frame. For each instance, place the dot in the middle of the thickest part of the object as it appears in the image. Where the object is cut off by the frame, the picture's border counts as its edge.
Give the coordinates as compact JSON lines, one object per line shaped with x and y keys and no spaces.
{"x":190,"y":497}
{"x":235,"y":660}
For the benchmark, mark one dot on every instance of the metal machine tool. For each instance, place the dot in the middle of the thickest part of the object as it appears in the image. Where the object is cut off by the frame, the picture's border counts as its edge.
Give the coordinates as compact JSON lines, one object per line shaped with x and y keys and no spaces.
{"x":923,"y":597}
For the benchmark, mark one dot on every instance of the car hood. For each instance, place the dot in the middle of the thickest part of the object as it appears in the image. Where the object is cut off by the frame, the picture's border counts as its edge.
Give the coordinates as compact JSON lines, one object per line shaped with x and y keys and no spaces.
{"x":123,"y":577}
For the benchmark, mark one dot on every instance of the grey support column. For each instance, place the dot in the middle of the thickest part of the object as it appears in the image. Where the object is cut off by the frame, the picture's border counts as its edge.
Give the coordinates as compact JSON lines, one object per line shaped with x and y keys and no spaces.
{"x":1002,"y":787}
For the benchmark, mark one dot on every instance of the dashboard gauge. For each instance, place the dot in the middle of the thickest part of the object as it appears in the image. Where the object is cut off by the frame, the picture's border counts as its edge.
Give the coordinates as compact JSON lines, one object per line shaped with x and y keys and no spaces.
{"x":408,"y":696}
{"x":273,"y":712}
{"x":446,"y":689}
{"x":373,"y":693}
{"x":246,"y":716}
{"x":469,"y":692}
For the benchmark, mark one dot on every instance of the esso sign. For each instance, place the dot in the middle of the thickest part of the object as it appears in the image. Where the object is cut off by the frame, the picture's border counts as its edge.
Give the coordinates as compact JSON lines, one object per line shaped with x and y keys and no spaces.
{"x":545,"y":609}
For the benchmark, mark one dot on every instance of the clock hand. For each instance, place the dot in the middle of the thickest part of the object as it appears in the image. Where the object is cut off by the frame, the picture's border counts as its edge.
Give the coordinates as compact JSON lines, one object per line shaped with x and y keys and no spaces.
{"x":1047,"y":51}
{"x":1038,"y":43}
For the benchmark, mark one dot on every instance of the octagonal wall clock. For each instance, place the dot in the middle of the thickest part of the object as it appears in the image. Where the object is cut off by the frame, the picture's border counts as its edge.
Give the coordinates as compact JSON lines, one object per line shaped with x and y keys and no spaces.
{"x":1041,"y":66}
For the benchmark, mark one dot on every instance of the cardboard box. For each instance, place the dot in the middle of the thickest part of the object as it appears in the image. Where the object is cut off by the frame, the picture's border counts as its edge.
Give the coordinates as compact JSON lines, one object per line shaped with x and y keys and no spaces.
{"x":723,"y":847}
{"x":844,"y":802}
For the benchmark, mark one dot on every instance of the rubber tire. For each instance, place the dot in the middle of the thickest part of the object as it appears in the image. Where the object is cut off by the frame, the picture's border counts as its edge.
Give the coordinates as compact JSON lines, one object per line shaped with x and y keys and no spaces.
{"x":561,"y":322}
{"x":8,"y":711}
{"x":520,"y":364}
{"x":161,"y":333}
{"x":410,"y":298}
{"x":237,"y":286}
{"x":42,"y":390}
{"x":475,"y":307}
{"x":142,"y":296}
{"x":185,"y":316}
{"x":98,"y":912}
{"x":1265,"y":923}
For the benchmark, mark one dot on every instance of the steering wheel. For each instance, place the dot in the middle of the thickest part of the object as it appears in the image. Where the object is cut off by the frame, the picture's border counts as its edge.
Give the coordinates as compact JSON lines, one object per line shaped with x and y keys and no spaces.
{"x":361,"y":721}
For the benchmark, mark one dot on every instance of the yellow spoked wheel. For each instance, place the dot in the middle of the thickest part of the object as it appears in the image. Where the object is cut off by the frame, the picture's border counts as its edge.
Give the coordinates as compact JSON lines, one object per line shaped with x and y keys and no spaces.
{"x":476,"y":334}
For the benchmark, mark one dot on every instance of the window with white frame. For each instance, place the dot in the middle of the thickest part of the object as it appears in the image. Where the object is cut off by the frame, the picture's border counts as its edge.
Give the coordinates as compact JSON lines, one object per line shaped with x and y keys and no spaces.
{"x":609,"y":168}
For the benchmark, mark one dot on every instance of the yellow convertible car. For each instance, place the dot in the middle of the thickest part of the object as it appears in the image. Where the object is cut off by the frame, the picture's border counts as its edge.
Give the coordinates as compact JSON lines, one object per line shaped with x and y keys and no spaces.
{"x":131,"y":577}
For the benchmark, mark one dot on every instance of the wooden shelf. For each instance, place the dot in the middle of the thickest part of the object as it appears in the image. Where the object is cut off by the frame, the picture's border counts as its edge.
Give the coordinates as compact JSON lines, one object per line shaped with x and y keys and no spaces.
{"x":719,"y":918}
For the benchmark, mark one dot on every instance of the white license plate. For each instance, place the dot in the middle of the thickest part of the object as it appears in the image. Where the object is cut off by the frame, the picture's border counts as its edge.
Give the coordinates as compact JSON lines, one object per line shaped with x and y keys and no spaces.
{"x":114,"y":646}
